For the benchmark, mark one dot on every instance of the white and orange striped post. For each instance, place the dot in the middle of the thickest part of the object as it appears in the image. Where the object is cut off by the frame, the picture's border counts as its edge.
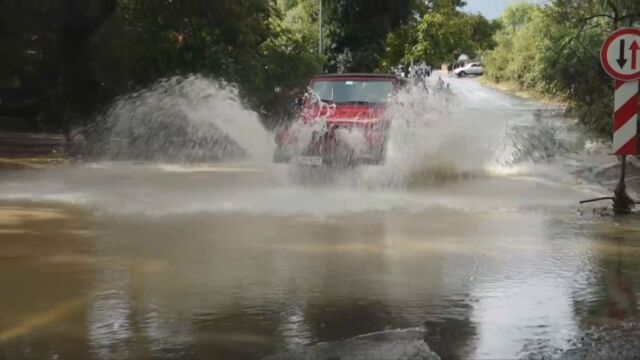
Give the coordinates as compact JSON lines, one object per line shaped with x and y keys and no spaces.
{"x":625,"y":123}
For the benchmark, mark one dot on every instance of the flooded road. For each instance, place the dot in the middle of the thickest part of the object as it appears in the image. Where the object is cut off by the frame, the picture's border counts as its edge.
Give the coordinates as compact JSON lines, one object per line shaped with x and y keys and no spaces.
{"x":469,"y":256}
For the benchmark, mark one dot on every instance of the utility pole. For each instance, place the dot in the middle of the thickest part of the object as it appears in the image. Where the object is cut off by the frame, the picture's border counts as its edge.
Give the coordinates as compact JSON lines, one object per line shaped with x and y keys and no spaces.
{"x":320,"y":31}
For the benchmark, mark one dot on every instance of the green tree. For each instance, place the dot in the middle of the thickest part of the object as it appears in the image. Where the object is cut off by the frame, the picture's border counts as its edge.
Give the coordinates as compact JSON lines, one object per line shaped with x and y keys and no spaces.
{"x":522,"y":47}
{"x":46,"y":71}
{"x":445,"y":5}
{"x":440,"y":37}
{"x":301,"y":17}
{"x":555,"y":50}
{"x":68,"y":58}
{"x":360,"y":27}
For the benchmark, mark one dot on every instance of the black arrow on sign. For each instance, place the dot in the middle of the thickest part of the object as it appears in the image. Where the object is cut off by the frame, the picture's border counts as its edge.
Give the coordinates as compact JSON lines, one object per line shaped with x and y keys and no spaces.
{"x":622,"y":61}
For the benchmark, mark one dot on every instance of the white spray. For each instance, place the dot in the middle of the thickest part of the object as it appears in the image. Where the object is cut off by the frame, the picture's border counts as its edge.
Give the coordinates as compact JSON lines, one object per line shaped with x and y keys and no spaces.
{"x":183,"y":119}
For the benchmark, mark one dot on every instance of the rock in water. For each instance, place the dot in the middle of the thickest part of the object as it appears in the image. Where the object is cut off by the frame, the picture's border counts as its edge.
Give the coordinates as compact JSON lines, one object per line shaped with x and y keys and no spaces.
{"x":386,"y":345}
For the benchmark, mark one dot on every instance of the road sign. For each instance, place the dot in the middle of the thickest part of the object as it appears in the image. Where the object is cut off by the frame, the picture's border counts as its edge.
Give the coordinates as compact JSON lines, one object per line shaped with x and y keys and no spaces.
{"x":620,"y":55}
{"x":621,"y":60}
{"x":625,"y":123}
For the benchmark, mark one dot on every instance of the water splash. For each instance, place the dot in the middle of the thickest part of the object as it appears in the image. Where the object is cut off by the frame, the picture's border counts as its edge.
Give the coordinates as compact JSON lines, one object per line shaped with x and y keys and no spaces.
{"x":390,"y":344}
{"x":435,"y":136}
{"x":182,"y":119}
{"x":457,"y":129}
{"x":440,"y":132}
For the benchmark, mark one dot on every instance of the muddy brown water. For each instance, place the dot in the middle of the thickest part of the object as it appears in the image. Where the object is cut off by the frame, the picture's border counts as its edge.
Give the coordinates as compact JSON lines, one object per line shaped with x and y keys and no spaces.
{"x":512,"y":279}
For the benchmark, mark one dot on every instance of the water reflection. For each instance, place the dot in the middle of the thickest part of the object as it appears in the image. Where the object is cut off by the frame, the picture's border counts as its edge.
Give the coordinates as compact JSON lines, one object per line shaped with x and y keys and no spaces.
{"x":480,"y":285}
{"x":42,"y":280}
{"x":529,"y":308}
{"x":451,"y":337}
{"x":109,"y":315}
{"x":617,"y":283}
{"x":605,"y":304}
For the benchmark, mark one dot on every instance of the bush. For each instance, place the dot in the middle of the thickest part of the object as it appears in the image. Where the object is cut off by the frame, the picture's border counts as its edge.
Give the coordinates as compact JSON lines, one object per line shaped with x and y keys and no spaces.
{"x":554,"y":50}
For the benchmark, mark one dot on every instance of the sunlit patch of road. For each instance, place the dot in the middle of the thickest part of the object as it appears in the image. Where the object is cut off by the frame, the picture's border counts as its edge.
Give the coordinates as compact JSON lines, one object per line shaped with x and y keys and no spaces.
{"x":35,"y":322}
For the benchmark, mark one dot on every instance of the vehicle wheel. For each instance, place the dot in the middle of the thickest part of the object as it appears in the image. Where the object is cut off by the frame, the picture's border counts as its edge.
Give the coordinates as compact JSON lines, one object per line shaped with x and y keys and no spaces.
{"x":342,"y":156}
{"x":381,"y":155}
{"x":462,"y":74}
{"x":280,"y":157}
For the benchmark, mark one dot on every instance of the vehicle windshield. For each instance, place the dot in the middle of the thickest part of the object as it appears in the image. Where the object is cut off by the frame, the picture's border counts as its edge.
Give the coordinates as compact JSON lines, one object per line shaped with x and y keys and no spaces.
{"x":353,"y":91}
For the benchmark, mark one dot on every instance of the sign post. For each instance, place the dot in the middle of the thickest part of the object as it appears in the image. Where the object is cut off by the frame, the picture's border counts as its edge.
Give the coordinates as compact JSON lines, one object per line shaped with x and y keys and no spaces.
{"x":619,"y":57}
{"x":625,"y":122}
{"x":621,"y":60}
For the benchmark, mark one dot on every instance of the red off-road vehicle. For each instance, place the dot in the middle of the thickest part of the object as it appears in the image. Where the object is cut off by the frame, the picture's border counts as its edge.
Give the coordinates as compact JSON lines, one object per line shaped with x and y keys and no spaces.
{"x":344,"y":122}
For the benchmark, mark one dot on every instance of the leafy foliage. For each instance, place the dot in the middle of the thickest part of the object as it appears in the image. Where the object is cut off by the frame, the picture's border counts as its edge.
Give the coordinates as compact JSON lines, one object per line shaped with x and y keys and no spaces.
{"x":90,"y":54}
{"x":64,"y":60}
{"x":245,"y":42}
{"x":360,"y":28}
{"x":555,"y":50}
{"x":45,"y":75}
{"x":440,"y":37}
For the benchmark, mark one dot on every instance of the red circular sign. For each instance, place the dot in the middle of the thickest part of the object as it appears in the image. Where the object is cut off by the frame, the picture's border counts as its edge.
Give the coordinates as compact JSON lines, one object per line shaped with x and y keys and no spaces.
{"x":620,"y":55}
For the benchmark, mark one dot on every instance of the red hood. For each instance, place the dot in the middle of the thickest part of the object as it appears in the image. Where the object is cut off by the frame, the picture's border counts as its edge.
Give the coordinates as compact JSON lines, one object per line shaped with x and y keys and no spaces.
{"x":346,"y":114}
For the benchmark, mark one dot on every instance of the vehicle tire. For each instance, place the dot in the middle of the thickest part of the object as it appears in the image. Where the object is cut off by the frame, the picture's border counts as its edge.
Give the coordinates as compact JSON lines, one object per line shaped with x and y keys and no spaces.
{"x":462,"y":74}
{"x":341,"y":156}
{"x":279,"y":157}
{"x":379,"y":154}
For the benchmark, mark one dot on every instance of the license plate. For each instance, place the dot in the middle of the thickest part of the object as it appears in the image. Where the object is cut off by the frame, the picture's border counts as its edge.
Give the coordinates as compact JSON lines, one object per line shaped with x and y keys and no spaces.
{"x":308,"y":160}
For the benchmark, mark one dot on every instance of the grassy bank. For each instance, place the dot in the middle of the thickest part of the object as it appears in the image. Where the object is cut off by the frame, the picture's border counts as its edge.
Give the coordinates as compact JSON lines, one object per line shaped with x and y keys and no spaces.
{"x":514,"y":89}
{"x":31,"y":163}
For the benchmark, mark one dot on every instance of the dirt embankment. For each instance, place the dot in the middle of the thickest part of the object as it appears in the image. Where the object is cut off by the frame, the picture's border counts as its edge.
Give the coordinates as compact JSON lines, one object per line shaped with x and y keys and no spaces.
{"x":610,"y":176}
{"x":19,"y":150}
{"x":514,"y":89}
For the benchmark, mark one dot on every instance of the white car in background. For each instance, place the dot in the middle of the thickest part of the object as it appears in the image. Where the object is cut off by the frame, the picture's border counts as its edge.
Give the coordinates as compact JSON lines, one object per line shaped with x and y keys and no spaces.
{"x":469,"y":69}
